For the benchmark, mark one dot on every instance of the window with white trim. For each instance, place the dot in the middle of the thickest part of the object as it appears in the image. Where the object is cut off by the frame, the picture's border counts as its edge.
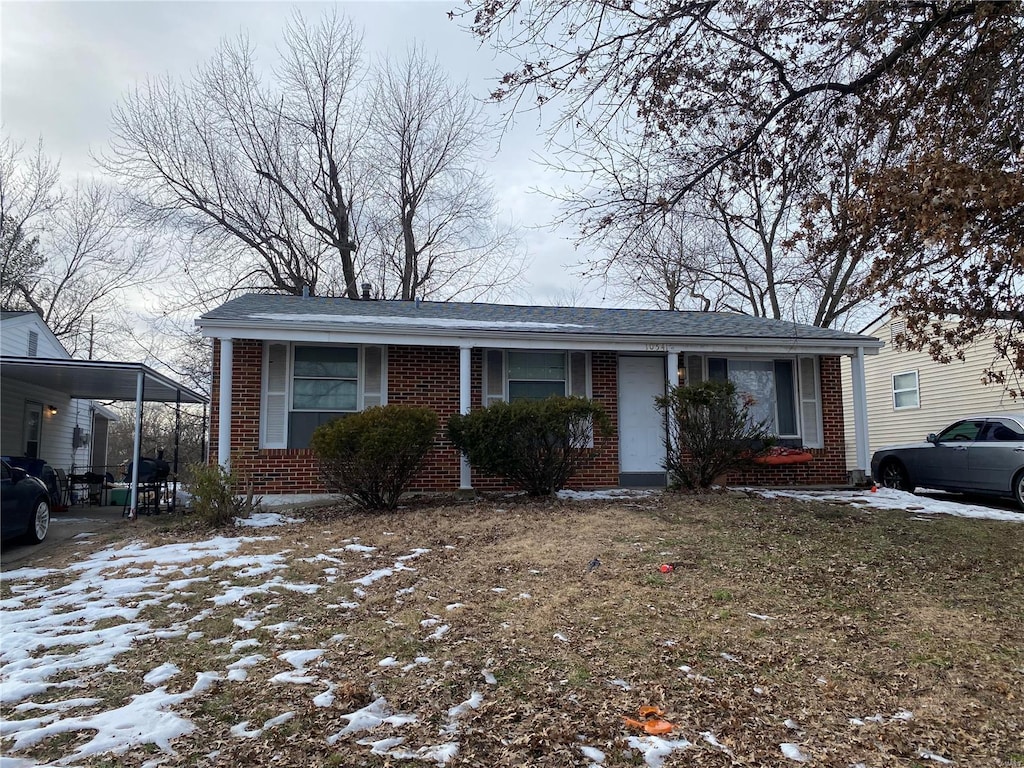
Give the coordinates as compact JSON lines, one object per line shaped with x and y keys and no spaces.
{"x":906,"y":392}
{"x":785,"y":391}
{"x":306,"y":385}
{"x":517,"y":374}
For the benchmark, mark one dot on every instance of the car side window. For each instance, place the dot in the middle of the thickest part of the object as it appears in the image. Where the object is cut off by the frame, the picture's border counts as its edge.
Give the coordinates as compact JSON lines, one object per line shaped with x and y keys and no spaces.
{"x":962,"y":431}
{"x":6,"y":472}
{"x":1004,"y":430}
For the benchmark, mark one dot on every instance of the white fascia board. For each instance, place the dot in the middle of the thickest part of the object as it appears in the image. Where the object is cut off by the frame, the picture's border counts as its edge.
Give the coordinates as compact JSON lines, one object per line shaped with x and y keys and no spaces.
{"x":311,"y":334}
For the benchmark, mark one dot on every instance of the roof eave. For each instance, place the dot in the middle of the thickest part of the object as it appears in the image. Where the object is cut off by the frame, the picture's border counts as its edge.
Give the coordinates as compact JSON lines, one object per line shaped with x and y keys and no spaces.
{"x":264,"y":330}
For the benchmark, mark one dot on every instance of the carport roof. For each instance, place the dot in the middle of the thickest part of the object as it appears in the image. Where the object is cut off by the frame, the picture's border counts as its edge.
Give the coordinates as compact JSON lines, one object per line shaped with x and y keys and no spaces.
{"x":98,"y":379}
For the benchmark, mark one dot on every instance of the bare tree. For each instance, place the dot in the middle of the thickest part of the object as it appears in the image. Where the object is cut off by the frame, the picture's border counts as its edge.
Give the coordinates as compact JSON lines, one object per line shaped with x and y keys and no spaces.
{"x":275,"y":176}
{"x":262,"y":176}
{"x":69,"y":254}
{"x":673,"y":263}
{"x":28,"y":195}
{"x":910,"y":90}
{"x":433,"y":213}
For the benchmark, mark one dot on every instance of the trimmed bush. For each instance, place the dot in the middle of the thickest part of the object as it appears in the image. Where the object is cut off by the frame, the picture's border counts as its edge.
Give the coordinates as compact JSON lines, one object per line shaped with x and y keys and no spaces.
{"x":217,"y":497}
{"x":537,"y":445}
{"x":372,"y":456}
{"x":709,"y":432}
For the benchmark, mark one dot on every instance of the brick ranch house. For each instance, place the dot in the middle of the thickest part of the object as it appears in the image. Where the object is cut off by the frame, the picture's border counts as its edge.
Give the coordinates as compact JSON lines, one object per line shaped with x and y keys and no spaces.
{"x":282,"y":365}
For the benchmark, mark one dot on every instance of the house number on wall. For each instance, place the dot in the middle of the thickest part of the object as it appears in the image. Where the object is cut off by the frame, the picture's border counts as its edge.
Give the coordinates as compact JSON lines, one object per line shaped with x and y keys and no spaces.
{"x":655,"y":346}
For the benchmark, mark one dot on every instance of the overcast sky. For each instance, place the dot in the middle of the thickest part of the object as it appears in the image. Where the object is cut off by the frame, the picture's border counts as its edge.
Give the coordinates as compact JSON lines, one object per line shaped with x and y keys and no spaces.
{"x":64,"y":65}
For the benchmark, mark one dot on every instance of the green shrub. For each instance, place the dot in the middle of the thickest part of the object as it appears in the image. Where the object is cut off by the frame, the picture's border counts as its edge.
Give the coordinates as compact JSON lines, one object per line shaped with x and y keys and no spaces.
{"x":537,"y":445}
{"x":372,"y":456}
{"x":219,"y":496}
{"x":709,"y":432}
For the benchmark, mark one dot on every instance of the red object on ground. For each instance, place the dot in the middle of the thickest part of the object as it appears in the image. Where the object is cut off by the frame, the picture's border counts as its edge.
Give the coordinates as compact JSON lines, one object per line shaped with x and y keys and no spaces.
{"x":667,"y":568}
{"x":652,"y":722}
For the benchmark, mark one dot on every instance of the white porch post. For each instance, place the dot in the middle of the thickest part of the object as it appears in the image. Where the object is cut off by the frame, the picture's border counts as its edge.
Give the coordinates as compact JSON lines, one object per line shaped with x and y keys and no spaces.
{"x":672,"y":362}
{"x":860,"y":411}
{"x":140,"y":388}
{"x":673,"y":369}
{"x":224,"y":404}
{"x":465,"y":398}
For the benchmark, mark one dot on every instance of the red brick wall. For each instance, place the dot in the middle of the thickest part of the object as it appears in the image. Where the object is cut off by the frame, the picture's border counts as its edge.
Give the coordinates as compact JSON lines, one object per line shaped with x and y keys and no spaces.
{"x":429,"y":376}
{"x":603,"y":468}
{"x":273,"y":470}
{"x":423,"y":376}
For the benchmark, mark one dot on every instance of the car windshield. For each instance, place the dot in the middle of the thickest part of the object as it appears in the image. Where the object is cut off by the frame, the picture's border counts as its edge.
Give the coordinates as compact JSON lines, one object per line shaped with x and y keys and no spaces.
{"x":962,"y":431}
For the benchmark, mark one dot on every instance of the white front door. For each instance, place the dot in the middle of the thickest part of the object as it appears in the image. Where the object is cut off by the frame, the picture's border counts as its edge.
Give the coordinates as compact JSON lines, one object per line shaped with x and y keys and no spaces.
{"x":641,"y":424}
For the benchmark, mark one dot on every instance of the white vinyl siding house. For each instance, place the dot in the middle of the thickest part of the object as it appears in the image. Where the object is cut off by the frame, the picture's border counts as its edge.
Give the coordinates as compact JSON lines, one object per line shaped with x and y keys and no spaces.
{"x":910,"y":395}
{"x":37,"y":422}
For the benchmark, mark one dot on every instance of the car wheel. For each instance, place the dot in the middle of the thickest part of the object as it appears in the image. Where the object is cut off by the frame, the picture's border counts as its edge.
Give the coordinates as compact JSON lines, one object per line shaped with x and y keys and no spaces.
{"x":1018,"y":489}
{"x":894,"y":475}
{"x":39,"y":524}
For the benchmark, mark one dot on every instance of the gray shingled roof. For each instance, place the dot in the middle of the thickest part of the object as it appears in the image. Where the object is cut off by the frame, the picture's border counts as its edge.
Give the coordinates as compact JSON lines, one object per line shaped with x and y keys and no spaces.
{"x":260,"y":308}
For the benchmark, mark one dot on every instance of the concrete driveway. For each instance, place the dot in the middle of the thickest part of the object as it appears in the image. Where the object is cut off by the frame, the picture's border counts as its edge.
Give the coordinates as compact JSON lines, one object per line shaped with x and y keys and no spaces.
{"x":67,"y":530}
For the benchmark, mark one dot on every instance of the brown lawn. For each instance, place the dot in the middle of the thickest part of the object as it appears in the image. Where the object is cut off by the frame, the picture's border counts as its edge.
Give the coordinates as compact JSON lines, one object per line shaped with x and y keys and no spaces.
{"x":860,"y":637}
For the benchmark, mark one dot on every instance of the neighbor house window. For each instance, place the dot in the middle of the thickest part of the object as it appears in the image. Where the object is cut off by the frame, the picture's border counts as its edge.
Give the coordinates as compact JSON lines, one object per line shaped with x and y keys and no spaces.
{"x":528,"y":375}
{"x":905,"y":391}
{"x":305,"y":386}
{"x":784,"y":391}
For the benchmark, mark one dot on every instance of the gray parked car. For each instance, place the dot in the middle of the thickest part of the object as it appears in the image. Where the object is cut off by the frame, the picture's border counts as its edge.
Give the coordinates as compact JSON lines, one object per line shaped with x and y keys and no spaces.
{"x":981,"y":454}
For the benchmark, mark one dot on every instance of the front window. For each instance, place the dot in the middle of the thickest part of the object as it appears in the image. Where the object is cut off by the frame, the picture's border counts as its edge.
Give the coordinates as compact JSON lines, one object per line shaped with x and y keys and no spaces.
{"x":535,"y":375}
{"x":905,"y":391}
{"x":770,"y":385}
{"x":325,"y":379}
{"x":307,"y":385}
{"x":784,"y":392}
{"x":518,"y":374}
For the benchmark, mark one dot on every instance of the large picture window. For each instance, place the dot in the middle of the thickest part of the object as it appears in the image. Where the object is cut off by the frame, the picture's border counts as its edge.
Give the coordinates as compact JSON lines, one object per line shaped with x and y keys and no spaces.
{"x":305,"y":386}
{"x":784,"y":391}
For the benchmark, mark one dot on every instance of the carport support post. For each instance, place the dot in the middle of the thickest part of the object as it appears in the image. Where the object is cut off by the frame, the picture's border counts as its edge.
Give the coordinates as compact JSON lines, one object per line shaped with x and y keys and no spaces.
{"x":140,"y":391}
{"x":224,"y":405}
{"x":465,"y":398}
{"x":860,"y":411}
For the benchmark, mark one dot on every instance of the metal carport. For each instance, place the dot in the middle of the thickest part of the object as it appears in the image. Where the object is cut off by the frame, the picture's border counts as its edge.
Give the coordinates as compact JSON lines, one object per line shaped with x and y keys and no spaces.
{"x":104,"y":380}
